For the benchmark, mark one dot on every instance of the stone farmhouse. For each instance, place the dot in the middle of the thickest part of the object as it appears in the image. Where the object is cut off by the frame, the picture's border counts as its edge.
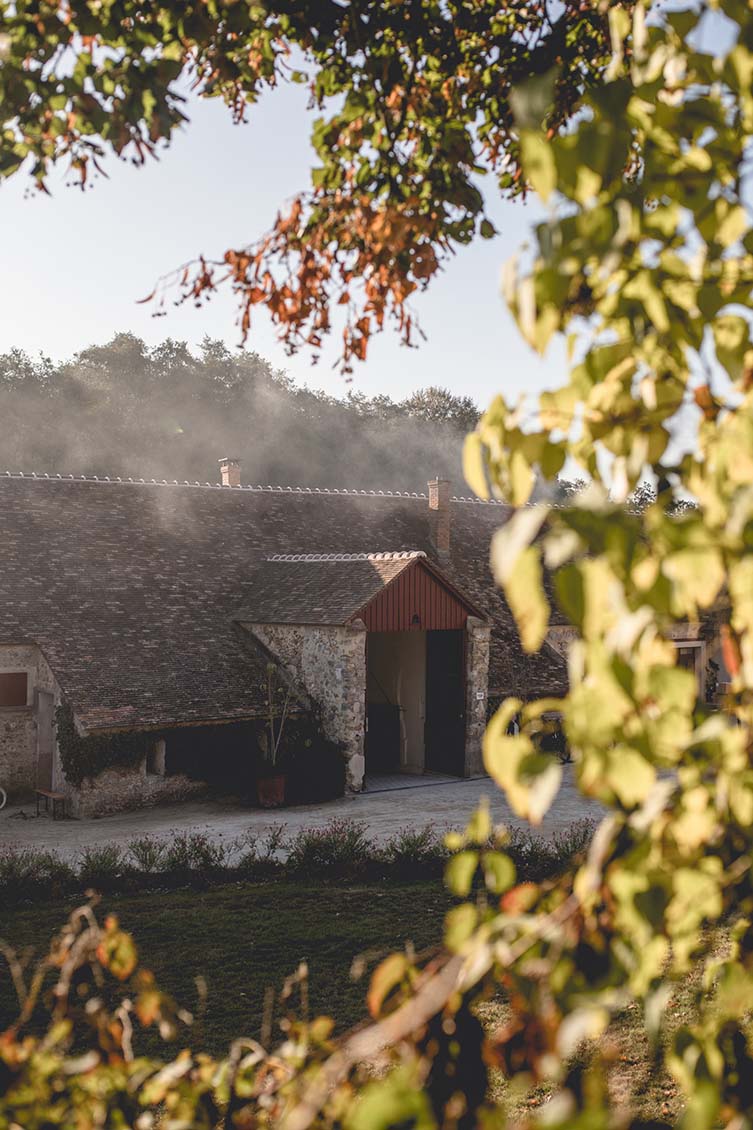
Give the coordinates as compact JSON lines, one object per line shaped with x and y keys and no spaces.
{"x":157,"y":608}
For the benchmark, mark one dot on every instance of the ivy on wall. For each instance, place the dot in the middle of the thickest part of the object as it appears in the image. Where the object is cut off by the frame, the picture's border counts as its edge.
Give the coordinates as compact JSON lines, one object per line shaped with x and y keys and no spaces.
{"x":86,"y":757}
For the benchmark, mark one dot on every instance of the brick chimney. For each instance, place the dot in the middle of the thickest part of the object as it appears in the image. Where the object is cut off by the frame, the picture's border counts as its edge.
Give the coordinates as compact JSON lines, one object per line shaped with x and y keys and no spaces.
{"x":439,"y":501}
{"x":230,"y":469}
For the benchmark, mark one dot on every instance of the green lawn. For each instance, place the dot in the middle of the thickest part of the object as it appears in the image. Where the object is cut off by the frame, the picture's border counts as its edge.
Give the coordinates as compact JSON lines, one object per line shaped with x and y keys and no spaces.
{"x":243,"y":938}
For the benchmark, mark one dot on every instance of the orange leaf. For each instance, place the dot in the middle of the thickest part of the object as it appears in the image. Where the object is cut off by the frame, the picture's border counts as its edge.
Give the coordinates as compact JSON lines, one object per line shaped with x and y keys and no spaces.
{"x":730,"y":651}
{"x":117,"y":951}
{"x":519,"y":899}
{"x":387,"y":976}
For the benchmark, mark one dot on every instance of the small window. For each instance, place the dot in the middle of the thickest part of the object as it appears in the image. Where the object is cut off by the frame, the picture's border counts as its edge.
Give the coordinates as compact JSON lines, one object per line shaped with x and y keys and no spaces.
{"x":14,"y":688}
{"x":688,"y":657}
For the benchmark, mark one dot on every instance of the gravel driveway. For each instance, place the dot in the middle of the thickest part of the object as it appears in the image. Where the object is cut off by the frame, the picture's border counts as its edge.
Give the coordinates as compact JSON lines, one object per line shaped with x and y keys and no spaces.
{"x":444,"y":803}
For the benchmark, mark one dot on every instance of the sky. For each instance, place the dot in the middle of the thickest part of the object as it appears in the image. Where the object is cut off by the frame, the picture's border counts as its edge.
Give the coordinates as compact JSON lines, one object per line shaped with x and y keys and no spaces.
{"x":76,"y":263}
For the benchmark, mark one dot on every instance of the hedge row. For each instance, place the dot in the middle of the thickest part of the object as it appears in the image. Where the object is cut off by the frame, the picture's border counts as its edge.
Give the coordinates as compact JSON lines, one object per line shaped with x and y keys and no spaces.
{"x":339,"y":849}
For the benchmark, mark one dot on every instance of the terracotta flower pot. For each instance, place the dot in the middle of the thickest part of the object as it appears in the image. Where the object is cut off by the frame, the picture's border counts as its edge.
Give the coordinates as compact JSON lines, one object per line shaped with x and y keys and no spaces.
{"x":270,"y":791}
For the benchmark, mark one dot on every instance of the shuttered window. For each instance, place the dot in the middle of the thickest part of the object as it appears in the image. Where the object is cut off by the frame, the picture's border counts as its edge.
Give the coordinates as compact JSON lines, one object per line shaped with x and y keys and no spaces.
{"x":13,"y":688}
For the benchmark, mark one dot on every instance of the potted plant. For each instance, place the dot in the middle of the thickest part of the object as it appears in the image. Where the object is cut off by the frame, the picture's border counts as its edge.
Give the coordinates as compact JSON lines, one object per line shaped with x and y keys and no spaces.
{"x":314,"y":764}
{"x":270,"y":782}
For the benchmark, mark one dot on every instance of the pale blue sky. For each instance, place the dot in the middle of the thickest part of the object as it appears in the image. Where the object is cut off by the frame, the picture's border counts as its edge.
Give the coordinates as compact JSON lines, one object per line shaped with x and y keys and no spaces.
{"x":75,"y":264}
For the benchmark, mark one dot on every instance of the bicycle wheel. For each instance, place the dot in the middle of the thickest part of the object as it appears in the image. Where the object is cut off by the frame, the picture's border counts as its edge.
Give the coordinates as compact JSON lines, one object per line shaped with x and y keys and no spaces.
{"x":3,"y":798}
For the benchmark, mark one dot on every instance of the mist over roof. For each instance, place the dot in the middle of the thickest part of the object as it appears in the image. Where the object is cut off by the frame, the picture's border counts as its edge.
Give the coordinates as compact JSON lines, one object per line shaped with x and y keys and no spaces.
{"x":131,"y":589}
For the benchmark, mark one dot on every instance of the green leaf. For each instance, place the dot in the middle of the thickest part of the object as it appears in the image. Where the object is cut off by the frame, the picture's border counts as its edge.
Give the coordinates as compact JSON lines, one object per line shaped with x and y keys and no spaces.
{"x":732,"y":340}
{"x":460,"y":871}
{"x":479,"y":828}
{"x":663,"y":220}
{"x":530,"y":781}
{"x":499,"y":872}
{"x":741,"y":591}
{"x":733,"y":226}
{"x":522,"y":479}
{"x":642,"y":288}
{"x":531,"y":101}
{"x":521,"y":577}
{"x":538,"y":162}
{"x":460,"y":923}
{"x":697,"y":574}
{"x":396,"y":1099}
{"x":628,"y":775}
{"x":474,"y":465}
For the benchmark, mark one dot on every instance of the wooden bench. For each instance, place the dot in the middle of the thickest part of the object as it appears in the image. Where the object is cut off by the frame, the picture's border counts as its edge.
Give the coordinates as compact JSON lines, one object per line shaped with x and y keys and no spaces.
{"x":58,"y":802}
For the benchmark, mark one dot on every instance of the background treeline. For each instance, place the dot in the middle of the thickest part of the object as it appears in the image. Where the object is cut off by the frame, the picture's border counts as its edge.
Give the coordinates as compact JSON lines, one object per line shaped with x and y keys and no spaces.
{"x":165,"y":412}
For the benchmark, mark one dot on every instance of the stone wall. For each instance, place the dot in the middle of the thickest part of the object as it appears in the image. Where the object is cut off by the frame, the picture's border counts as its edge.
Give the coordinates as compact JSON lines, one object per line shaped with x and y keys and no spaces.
{"x":688,"y":630}
{"x":18,"y":730}
{"x":330,"y":665}
{"x":120,"y":789}
{"x":478,"y":639}
{"x":17,"y":752}
{"x":560,"y":637}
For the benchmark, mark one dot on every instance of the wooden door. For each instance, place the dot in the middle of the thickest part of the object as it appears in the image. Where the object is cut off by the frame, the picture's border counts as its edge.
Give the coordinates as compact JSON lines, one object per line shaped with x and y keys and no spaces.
{"x":445,"y":702}
{"x":382,"y":745}
{"x":45,"y":717}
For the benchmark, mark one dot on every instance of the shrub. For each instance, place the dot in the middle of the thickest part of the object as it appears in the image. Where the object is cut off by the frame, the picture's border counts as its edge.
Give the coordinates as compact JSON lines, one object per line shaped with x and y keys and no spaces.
{"x":195,"y":851}
{"x":21,"y":868}
{"x":147,"y":853}
{"x":99,"y":865}
{"x":537,"y":858}
{"x":259,"y":852}
{"x":415,"y":848}
{"x":273,"y":842}
{"x":52,"y":870}
{"x":341,"y":845}
{"x":575,"y":839}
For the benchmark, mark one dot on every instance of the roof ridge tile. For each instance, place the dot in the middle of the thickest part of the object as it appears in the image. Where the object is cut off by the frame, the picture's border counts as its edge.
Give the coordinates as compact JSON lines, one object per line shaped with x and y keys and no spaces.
{"x":259,"y":487}
{"x":319,"y":558}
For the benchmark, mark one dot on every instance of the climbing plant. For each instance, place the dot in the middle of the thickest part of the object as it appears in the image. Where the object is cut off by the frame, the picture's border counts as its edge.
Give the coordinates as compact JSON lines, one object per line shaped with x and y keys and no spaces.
{"x":645,"y":262}
{"x":83,"y":757}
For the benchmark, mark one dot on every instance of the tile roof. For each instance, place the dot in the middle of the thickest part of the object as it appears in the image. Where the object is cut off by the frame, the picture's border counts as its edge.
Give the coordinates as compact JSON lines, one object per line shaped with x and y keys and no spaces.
{"x":325,"y":588}
{"x":130,"y":588}
{"x":310,"y":588}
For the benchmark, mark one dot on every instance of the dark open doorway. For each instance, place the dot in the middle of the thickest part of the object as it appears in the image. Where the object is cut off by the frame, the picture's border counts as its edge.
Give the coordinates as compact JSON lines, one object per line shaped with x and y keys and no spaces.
{"x":445,"y":702}
{"x":224,"y":756}
{"x":416,"y":702}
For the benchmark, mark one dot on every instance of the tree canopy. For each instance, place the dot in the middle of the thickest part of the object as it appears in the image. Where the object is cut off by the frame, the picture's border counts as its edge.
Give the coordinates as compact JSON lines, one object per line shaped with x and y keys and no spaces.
{"x":168,"y":412}
{"x":415,"y":104}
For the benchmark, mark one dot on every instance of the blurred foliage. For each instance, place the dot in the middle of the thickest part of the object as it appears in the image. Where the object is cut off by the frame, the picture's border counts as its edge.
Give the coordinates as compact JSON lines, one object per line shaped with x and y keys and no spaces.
{"x":415,"y":105}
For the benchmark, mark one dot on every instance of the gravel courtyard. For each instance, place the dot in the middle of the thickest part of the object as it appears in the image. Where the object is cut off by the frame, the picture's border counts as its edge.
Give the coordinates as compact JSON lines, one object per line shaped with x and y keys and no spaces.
{"x":445,"y":803}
